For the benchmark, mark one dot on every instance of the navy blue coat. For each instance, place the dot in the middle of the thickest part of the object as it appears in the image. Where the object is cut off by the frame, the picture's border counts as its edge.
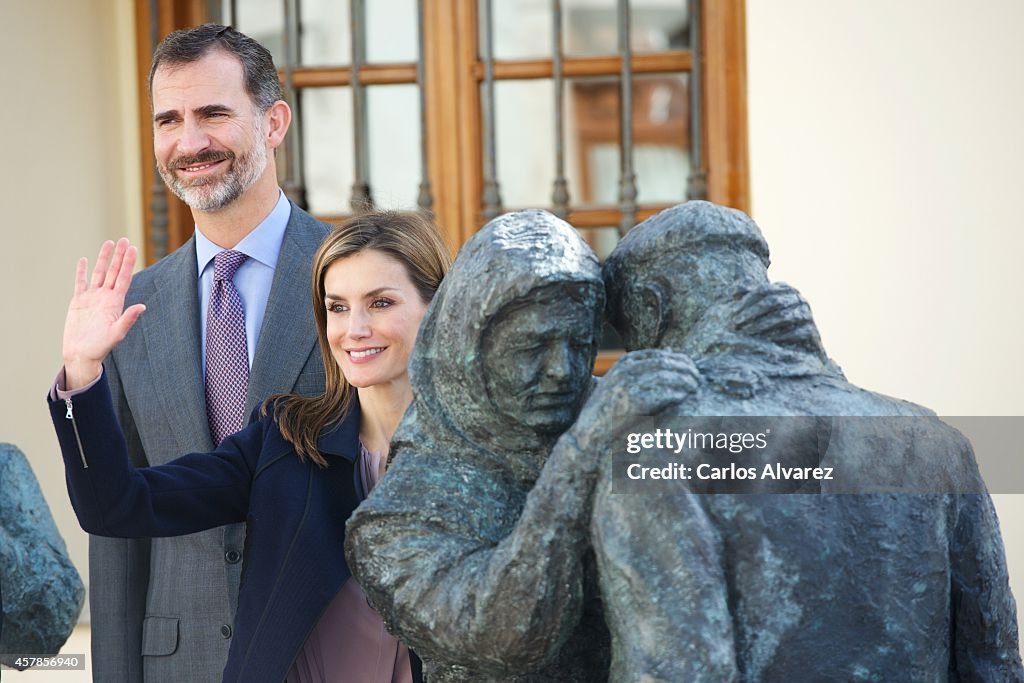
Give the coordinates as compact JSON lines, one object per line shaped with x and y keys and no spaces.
{"x":295,"y":513}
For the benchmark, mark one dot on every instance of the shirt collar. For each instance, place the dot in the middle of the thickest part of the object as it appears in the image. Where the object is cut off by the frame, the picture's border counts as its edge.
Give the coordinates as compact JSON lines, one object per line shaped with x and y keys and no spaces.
{"x":263,"y":244}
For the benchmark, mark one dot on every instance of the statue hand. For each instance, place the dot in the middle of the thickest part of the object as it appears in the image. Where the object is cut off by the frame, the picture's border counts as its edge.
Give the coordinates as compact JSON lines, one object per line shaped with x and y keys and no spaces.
{"x":97,"y":320}
{"x":641,"y":383}
{"x":777,"y":313}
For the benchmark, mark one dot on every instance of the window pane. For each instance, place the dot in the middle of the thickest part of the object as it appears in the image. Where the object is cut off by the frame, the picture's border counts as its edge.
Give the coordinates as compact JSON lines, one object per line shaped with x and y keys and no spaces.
{"x":522,"y":28}
{"x":392,"y":28}
{"x":263,"y":21}
{"x":393,"y":112}
{"x":394,"y":147}
{"x":525,"y":142}
{"x":323,"y":29}
{"x":326,"y":39}
{"x":591,"y":26}
{"x":327,"y":148}
{"x":661,"y":158}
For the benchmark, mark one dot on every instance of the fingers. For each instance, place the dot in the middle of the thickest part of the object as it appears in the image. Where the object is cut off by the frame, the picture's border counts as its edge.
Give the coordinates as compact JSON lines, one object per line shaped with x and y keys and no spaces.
{"x":116,"y":262}
{"x":770,"y":289}
{"x":753,"y":297}
{"x":805,"y":336}
{"x":751,"y":313}
{"x":80,"y":271}
{"x":761,"y":303}
{"x":110,"y":266}
{"x":639,"y":354}
{"x":766,"y":297}
{"x":124,"y":274}
{"x":679,"y":362}
{"x":670,"y":386}
{"x":648,"y":385}
{"x":798,"y":314}
{"x":653,"y":360}
{"x":127,"y":320}
{"x":102,"y":262}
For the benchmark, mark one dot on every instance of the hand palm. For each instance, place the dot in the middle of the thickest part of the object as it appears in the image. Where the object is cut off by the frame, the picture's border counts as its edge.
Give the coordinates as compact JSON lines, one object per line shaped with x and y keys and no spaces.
{"x":97,"y":320}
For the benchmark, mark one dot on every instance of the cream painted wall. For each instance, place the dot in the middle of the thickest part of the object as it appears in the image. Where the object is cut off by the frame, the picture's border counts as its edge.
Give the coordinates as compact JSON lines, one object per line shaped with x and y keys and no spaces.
{"x":70,"y":181}
{"x":885,"y":151}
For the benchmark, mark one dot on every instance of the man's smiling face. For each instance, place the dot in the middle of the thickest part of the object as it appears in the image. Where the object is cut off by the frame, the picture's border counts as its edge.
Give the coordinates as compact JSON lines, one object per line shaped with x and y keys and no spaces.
{"x":208,"y":137}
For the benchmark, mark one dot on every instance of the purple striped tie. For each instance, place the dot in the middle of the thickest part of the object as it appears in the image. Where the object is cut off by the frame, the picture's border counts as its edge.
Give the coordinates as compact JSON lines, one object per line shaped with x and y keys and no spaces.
{"x":227,"y":354}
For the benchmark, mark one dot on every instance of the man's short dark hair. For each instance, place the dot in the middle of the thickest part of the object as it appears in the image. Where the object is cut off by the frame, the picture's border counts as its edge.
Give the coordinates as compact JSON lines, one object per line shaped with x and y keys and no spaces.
{"x":192,"y":44}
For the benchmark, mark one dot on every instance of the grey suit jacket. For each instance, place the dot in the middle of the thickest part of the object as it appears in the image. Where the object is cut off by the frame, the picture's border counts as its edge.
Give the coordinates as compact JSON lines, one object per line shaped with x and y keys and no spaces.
{"x":162,"y":608}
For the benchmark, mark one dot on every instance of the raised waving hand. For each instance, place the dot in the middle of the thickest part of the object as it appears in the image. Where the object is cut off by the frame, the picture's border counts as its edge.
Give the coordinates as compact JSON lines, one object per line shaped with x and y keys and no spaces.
{"x":97,"y":319}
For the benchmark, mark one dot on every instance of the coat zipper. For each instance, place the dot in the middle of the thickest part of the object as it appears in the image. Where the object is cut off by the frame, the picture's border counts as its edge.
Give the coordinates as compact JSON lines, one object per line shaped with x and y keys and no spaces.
{"x":71,"y":416}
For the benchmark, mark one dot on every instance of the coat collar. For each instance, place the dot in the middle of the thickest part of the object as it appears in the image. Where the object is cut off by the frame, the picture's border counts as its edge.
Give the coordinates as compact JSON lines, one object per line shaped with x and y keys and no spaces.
{"x":341,"y":438}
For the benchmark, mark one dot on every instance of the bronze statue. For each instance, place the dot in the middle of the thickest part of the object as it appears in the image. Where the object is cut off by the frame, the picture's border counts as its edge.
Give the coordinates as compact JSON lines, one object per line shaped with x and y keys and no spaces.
{"x":770,"y":587}
{"x":473,"y":547}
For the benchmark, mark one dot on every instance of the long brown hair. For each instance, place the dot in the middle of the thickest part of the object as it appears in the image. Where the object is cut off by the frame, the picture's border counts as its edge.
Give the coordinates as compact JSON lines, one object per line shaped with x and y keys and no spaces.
{"x":410,"y":239}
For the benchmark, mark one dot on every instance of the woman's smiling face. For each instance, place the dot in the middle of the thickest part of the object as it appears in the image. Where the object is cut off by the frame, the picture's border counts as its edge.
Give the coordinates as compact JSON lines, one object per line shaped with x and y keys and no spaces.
{"x":373,"y":314}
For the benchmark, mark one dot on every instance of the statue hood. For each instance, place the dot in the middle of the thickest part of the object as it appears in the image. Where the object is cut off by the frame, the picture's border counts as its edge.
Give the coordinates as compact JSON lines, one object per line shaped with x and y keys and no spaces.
{"x":509,"y":259}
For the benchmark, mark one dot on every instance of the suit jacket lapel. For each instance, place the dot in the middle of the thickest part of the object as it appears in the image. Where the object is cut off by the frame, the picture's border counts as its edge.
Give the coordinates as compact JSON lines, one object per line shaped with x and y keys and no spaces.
{"x":288,"y":333}
{"x":172,"y":334}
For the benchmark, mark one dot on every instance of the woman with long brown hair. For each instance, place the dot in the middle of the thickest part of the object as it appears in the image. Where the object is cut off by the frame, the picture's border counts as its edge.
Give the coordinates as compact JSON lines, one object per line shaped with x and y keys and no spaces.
{"x":294,"y":475}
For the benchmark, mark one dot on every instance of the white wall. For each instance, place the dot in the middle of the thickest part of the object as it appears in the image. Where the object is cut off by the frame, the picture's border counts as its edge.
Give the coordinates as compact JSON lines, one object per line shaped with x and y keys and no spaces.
{"x":68,"y":182}
{"x":885,"y":150}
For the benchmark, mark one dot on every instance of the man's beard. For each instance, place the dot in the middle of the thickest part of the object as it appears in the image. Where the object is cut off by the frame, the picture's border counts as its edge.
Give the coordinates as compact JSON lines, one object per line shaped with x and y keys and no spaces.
{"x":213,"y":193}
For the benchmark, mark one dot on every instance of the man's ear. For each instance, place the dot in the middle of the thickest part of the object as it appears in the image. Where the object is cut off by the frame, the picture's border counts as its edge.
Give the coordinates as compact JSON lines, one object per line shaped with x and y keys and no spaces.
{"x":639,"y":317}
{"x":651,"y":323}
{"x":278,"y":118}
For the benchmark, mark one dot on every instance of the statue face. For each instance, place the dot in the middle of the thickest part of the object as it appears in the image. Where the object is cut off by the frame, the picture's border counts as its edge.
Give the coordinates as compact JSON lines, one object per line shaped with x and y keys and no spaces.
{"x":664,"y":300}
{"x":537,"y":358}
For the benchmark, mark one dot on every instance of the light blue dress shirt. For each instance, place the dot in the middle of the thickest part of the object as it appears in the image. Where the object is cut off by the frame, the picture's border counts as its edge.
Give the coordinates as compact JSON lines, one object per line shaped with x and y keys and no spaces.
{"x":252,"y":279}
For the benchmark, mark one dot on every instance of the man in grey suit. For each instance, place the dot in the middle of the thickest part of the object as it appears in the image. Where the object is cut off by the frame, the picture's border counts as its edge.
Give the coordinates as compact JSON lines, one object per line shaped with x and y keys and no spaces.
{"x":162,"y":608}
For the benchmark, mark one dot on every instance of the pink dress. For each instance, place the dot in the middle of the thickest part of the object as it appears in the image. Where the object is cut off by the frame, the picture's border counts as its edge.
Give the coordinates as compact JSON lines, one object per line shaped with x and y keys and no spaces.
{"x":350,"y":643}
